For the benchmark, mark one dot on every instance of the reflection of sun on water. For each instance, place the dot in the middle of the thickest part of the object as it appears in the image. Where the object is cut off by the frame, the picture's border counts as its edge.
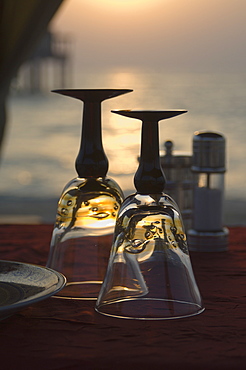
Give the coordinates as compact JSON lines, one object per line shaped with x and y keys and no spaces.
{"x":124,"y":79}
{"x":122,"y":140}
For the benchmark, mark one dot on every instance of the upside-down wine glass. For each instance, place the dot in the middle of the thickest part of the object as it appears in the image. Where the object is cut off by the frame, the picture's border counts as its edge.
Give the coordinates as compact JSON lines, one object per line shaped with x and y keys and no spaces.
{"x":87,"y":208}
{"x":149,"y":275}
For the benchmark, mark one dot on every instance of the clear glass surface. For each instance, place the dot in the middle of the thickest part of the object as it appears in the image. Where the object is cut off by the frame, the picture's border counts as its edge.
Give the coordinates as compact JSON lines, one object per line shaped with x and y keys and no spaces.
{"x":87,"y":208}
{"x":149,"y":275}
{"x":82,"y":236}
{"x":208,"y":202}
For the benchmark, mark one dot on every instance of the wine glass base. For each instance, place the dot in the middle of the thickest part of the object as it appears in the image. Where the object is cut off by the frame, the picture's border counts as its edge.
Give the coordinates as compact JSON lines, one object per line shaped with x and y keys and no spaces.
{"x":149,"y":309}
{"x":80,"y":290}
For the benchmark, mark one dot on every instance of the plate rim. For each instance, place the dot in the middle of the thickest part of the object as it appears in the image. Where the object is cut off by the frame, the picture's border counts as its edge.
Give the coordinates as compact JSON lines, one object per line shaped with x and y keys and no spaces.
{"x":18,"y":305}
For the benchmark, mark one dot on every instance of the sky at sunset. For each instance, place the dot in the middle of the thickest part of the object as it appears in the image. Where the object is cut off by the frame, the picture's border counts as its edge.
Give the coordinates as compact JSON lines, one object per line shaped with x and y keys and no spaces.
{"x":176,"y":35}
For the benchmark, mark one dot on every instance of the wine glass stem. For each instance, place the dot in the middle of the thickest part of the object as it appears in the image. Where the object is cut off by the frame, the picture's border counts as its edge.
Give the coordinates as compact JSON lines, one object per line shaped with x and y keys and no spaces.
{"x":91,"y":160}
{"x":150,"y":144}
{"x":149,"y":177}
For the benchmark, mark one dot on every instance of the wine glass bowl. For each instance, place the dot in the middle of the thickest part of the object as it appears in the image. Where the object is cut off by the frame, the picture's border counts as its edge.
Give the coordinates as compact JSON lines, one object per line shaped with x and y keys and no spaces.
{"x":149,"y":275}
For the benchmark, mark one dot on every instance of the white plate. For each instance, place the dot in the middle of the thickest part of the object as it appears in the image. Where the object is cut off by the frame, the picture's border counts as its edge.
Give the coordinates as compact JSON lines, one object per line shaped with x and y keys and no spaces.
{"x":22,"y":284}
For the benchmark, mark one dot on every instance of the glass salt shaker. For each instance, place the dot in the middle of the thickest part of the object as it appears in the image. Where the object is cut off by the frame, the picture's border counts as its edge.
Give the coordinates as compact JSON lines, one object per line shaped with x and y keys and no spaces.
{"x":208,"y":233}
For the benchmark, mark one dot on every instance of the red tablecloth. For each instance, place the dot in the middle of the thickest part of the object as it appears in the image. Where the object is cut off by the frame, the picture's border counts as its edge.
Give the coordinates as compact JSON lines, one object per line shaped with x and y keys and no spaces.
{"x":61,"y":334}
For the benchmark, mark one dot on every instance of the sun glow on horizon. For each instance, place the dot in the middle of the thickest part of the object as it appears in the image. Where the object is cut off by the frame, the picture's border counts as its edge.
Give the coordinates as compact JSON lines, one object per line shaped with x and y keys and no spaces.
{"x":127,"y":2}
{"x":125,"y":5}
{"x":155,"y":33}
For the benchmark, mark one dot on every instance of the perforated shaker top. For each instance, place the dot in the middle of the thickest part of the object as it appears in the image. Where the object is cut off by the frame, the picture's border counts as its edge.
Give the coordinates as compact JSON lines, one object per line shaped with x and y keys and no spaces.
{"x":208,"y":152}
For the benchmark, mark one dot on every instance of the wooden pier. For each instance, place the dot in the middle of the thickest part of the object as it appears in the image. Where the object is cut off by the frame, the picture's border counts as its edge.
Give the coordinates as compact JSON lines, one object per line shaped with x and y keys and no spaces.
{"x":48,"y":67}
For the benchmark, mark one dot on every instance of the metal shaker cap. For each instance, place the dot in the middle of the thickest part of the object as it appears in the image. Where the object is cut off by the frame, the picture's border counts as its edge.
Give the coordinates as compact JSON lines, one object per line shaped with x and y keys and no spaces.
{"x":208,"y":152}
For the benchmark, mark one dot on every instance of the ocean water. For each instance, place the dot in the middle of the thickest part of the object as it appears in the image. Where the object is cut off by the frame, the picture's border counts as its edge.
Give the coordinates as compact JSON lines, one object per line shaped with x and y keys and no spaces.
{"x":43,"y":133}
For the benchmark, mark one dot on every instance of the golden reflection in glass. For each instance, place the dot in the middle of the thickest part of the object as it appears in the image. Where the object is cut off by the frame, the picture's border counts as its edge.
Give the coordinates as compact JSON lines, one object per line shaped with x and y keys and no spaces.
{"x":85,"y":222}
{"x":144,"y":231}
{"x":93,"y":211}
